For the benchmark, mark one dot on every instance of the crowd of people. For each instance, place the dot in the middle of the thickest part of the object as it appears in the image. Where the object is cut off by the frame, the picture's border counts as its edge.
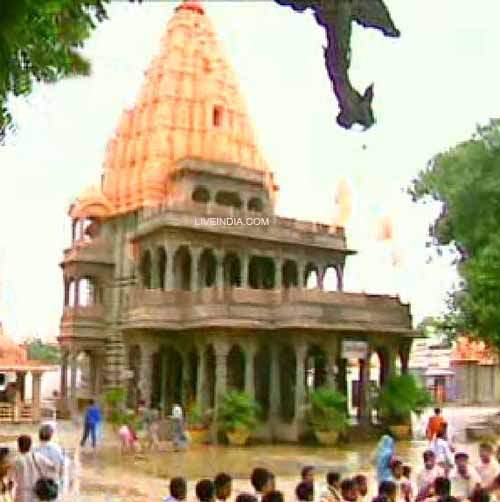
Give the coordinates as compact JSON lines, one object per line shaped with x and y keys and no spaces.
{"x":35,"y":469}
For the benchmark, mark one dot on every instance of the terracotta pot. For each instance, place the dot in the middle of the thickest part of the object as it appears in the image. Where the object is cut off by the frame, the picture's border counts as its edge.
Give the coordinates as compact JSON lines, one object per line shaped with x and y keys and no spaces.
{"x":238,"y":437}
{"x":199,"y":436}
{"x":401,"y":431}
{"x":327,"y":438}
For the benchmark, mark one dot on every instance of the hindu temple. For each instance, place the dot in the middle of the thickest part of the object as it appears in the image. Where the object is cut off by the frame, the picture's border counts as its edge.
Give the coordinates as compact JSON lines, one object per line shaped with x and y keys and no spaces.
{"x":182,"y":282}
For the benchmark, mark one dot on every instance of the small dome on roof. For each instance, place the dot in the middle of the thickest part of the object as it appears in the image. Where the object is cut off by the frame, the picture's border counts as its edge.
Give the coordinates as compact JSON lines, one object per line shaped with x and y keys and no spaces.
{"x":92,"y":203}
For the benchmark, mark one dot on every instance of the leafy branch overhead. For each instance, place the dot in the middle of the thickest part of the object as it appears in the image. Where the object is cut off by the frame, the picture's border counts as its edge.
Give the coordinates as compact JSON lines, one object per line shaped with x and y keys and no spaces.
{"x":40,"y":41}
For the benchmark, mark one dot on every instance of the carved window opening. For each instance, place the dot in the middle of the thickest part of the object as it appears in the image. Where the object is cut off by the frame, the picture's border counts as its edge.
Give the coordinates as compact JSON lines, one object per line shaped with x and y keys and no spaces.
{"x":201,"y":195}
{"x":255,"y":204}
{"x":231,"y":199}
{"x":217,"y":116}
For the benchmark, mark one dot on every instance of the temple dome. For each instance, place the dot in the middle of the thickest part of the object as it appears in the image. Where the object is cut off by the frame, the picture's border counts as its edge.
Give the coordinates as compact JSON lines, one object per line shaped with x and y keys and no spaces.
{"x":91,"y":203}
{"x":10,"y":352}
{"x":189,"y":106}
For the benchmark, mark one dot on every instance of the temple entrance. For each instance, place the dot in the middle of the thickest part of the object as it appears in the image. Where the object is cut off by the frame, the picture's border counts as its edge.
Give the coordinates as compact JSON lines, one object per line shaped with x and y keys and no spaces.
{"x":236,"y":369}
{"x":263,"y":379}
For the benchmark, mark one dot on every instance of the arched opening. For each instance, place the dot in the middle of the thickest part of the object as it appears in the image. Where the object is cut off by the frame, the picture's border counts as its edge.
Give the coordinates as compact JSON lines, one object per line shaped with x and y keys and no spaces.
{"x":192,"y":372}
{"x":316,"y":368}
{"x":353,"y":377}
{"x":261,"y":272}
{"x":71,"y":293}
{"x":331,"y":279}
{"x":262,"y":379}
{"x":255,"y":204}
{"x":311,"y":276}
{"x":182,"y":268}
{"x":208,"y":268}
{"x":290,"y":274}
{"x":173,"y":378}
{"x":145,"y":269}
{"x":231,"y":199}
{"x":201,"y":195}
{"x":232,"y":270}
{"x":398,"y":364}
{"x":288,"y":365}
{"x":236,"y":369}
{"x":134,"y":365}
{"x":210,"y":377}
{"x":86,"y":292}
{"x":162,"y":266}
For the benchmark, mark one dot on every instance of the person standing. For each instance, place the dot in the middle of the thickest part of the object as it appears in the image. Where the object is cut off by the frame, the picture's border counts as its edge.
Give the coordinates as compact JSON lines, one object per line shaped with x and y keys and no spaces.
{"x":429,"y":474}
{"x":92,"y":423}
{"x":29,"y":467}
{"x":179,"y":435}
{"x":435,"y":424}
{"x":6,"y":481}
{"x":488,"y":468}
{"x":384,"y":457}
{"x":52,"y":452}
{"x":464,"y":479}
{"x":178,"y":490}
{"x":332,"y":491}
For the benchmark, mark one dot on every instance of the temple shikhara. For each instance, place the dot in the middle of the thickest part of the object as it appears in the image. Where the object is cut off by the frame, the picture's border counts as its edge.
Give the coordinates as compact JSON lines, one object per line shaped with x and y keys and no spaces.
{"x":182,"y":282}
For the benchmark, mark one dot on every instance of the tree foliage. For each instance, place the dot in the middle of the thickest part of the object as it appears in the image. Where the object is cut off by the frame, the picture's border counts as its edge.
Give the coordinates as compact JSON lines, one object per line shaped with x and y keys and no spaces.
{"x":40,"y":42}
{"x":40,"y":351}
{"x":466,"y":180}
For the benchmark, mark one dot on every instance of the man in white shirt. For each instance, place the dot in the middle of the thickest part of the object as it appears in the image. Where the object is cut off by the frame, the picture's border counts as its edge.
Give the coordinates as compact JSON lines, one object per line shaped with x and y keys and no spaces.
{"x":427,"y":476}
{"x":464,"y":479}
{"x":488,"y":468}
{"x":53,"y":452}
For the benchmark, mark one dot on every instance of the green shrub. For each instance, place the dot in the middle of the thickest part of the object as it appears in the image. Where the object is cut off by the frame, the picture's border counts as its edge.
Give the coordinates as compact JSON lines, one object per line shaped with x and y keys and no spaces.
{"x":198,"y":419}
{"x":327,"y":410}
{"x":401,"y":396}
{"x":114,"y":400}
{"x":238,"y":410}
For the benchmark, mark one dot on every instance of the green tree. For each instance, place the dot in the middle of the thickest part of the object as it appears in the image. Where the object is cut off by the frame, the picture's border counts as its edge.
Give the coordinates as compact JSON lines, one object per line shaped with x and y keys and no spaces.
{"x":40,"y":351}
{"x":466,"y":181}
{"x":40,"y":42}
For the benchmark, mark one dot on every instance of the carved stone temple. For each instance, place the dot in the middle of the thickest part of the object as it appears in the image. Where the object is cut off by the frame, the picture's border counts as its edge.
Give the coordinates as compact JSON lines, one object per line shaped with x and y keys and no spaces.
{"x":182,"y":282}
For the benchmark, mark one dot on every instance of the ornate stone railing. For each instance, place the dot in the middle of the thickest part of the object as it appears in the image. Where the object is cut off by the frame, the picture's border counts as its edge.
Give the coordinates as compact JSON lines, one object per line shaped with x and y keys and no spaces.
{"x":189,"y":214}
{"x":90,"y":312}
{"x":267,"y":308}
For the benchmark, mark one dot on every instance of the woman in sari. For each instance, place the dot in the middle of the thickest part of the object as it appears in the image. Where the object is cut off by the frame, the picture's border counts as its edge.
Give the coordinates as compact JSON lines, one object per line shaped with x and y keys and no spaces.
{"x":384,"y":457}
{"x":179,"y":437}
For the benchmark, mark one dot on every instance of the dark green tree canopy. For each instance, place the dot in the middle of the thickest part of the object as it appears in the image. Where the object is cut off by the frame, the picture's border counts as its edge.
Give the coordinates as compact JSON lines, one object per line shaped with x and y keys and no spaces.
{"x":40,"y":42}
{"x":466,"y":180}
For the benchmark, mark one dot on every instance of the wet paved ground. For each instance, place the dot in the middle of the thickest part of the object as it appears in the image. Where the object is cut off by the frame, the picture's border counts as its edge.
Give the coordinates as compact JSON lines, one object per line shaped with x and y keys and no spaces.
{"x":109,"y":476}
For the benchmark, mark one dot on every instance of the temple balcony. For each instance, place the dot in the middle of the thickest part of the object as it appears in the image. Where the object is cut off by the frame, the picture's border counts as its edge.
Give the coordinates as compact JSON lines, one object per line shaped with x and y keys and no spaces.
{"x":267,"y":309}
{"x":187,"y":214}
{"x":90,"y":317}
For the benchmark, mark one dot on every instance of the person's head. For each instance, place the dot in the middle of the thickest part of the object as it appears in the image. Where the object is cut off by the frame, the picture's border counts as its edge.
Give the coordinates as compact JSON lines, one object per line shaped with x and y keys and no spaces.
{"x":349,"y":490}
{"x":333,"y":479}
{"x":272,"y":496}
{"x":485,"y":452}
{"x":261,"y":480}
{"x":223,"y":486}
{"x":429,"y":459}
{"x":205,"y":490}
{"x":271,"y":484}
{"x":387,"y":489}
{"x":362,"y":484}
{"x":305,"y":491}
{"x":385,"y":444}
{"x":178,"y":488}
{"x":24,"y":443}
{"x":246,"y":497}
{"x":407,"y":471}
{"x":442,"y":487}
{"x":480,"y":495}
{"x":461,"y":461}
{"x":45,"y":433}
{"x":437,"y":411}
{"x":397,"y":468}
{"x":307,"y":474}
{"x":92,"y":402}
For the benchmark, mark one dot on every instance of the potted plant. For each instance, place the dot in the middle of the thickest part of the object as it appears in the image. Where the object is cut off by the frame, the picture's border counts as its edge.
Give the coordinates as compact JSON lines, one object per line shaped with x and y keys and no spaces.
{"x":399,"y":397}
{"x":238,"y":416}
{"x":198,"y":424}
{"x":327,"y":414}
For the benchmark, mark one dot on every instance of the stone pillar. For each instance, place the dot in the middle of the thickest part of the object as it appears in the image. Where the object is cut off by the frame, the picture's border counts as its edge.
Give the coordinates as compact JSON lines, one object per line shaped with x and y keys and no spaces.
{"x":364,"y":409}
{"x":275,"y":387}
{"x":245,"y":259}
{"x":169,"y":268}
{"x":37,"y":386}
{"x":321,"y":277}
{"x":301,"y":270}
{"x":340,"y":277}
{"x":186,"y":379}
{"x":278,"y":273}
{"x":146,"y":375}
{"x":72,"y":394}
{"x":77,"y":293}
{"x":300,"y":386}
{"x":195,"y":269}
{"x":221,"y":353}
{"x":64,"y":379}
{"x":201,"y":378}
{"x":250,"y":351}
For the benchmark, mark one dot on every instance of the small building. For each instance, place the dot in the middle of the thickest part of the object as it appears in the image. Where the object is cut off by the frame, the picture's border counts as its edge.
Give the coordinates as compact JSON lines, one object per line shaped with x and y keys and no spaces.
{"x":15,"y":368}
{"x":182,"y":282}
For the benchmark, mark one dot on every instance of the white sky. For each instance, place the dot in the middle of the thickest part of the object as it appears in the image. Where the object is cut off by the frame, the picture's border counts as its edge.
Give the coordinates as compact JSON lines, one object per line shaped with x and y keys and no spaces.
{"x":431,"y":88}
